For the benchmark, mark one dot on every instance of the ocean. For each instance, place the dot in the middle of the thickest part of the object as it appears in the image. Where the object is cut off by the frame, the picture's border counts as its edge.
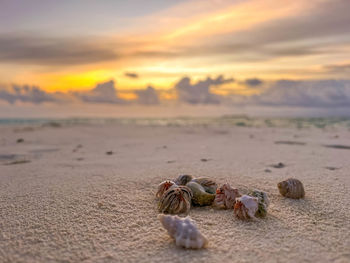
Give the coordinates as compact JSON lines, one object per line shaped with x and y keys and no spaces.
{"x":230,"y":120}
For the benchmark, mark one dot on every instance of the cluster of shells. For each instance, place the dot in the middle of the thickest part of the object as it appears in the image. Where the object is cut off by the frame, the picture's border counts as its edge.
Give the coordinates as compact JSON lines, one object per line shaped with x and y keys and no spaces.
{"x":177,"y":197}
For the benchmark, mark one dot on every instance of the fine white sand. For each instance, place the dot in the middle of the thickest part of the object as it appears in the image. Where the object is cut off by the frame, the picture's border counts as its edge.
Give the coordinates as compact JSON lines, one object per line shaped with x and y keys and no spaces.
{"x":72,"y":202}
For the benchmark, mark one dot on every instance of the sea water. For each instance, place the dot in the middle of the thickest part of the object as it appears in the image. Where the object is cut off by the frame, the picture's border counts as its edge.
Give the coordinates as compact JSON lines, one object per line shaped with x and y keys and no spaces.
{"x":230,"y":120}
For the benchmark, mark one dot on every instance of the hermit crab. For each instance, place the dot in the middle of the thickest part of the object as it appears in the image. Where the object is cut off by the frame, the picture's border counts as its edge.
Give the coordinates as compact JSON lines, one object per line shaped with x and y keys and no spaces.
{"x":183,"y":179}
{"x":209,"y":185}
{"x":163,"y":186}
{"x":291,"y":188}
{"x":176,"y":200}
{"x":200,"y":196}
{"x":226,"y":197}
{"x":263,"y":202}
{"x":246,"y":207}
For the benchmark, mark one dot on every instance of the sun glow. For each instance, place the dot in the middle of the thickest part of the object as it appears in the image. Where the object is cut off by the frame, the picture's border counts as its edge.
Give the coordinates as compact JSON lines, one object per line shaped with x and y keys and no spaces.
{"x":191,"y":40}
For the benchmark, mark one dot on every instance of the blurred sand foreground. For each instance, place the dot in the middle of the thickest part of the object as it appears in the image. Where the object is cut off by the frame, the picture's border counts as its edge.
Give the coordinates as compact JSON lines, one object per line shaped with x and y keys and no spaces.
{"x":85,"y":193}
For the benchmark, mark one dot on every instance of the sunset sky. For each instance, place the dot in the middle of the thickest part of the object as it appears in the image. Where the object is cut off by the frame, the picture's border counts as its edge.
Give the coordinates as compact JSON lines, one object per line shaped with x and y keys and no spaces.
{"x":197,"y":52}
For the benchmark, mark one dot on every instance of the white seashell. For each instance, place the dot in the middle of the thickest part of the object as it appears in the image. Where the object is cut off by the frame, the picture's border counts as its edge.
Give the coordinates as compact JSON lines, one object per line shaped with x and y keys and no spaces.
{"x":246,"y":207}
{"x":226,"y":196}
{"x":163,"y":187}
{"x":184,"y":231}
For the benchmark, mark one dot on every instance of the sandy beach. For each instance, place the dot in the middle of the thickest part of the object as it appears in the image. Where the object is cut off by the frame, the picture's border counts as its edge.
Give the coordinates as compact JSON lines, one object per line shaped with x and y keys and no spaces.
{"x":86,"y":192}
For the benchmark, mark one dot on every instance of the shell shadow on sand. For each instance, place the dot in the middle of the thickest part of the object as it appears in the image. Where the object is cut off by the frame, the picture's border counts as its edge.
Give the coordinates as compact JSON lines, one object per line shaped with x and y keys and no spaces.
{"x":12,"y":159}
{"x":278,"y":165}
{"x":305,"y":209}
{"x":290,"y":143}
{"x":41,"y":151}
{"x":337,"y":146}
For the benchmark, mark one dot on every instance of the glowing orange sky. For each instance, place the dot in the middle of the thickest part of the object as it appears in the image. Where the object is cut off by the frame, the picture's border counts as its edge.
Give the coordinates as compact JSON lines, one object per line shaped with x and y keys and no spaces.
{"x":240,"y":39}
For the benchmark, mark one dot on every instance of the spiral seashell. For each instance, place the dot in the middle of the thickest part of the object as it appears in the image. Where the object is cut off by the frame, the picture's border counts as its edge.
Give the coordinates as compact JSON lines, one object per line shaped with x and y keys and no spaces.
{"x":263,"y":202}
{"x":291,"y":188}
{"x":184,"y":231}
{"x":162,"y":187}
{"x":209,"y":185}
{"x":246,"y":207}
{"x":176,"y":200}
{"x":226,"y":197}
{"x":200,"y":196}
{"x":183,"y":179}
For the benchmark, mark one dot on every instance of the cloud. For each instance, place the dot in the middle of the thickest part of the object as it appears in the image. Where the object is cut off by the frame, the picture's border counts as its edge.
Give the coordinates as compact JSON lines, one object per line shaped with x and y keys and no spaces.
{"x":326,"y":94}
{"x":338,"y":68}
{"x":53,"y":51}
{"x":103,"y":93}
{"x":301,"y":34}
{"x":26,"y":93}
{"x":147,"y":96}
{"x":328,"y":18}
{"x":237,"y":50}
{"x":131,"y":75}
{"x":199,"y":92}
{"x":295,"y":34}
{"x":308,"y":94}
{"x":253,"y":82}
{"x":277,"y":37}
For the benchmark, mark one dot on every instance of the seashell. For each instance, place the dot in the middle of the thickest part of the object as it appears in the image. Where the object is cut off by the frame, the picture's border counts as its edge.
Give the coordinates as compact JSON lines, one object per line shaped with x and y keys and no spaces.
{"x":162,"y":187}
{"x":200,"y":196}
{"x":177,"y":199}
{"x":183,"y":179}
{"x":263,"y":202}
{"x":291,"y":188}
{"x":209,"y":185}
{"x":226,"y":197}
{"x":246,"y":207}
{"x":184,"y":231}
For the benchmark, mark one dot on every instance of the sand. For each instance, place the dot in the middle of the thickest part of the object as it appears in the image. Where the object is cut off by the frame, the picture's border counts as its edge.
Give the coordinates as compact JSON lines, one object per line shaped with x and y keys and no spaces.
{"x":64,"y":199}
